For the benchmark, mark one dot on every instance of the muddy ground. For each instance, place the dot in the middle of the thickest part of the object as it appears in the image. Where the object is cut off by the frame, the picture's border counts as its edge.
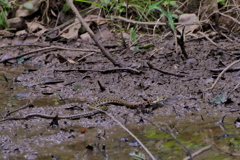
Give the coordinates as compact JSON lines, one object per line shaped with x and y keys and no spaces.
{"x":52,"y":85}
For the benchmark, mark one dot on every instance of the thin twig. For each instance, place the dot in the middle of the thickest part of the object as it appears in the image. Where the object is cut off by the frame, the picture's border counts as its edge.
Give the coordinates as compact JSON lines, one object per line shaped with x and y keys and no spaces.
{"x":99,"y":150}
{"x":199,"y":152}
{"x":203,"y":34}
{"x":235,"y":20}
{"x":231,"y":154}
{"x":226,"y":37}
{"x":164,"y":72}
{"x":26,"y":106}
{"x":150,"y":23}
{"x":233,"y":90}
{"x":220,"y":75}
{"x":129,"y":132}
{"x":84,"y":57}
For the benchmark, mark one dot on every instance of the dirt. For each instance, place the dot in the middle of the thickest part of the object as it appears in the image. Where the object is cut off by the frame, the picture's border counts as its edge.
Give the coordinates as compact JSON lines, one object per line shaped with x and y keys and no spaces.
{"x":188,"y":110}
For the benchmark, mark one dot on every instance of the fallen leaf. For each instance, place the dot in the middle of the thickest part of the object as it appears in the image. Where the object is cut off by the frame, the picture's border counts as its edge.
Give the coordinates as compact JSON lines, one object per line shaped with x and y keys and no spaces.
{"x":188,"y":20}
{"x":72,"y":30}
{"x":71,"y":61}
{"x":24,"y":12}
{"x":82,"y":131}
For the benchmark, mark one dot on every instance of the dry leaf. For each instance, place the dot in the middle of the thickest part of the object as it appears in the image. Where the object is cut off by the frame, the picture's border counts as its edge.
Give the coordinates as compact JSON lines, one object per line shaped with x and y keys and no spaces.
{"x":24,"y":12}
{"x":71,"y":61}
{"x":36,"y":26}
{"x":190,"y":21}
{"x":72,"y":30}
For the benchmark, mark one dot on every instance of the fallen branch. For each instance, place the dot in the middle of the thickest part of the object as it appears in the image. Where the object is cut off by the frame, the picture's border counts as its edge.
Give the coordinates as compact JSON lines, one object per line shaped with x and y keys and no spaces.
{"x":229,"y":70}
{"x":97,"y":70}
{"x":17,"y":45}
{"x":48,"y":48}
{"x":220,"y":75}
{"x":101,"y":47}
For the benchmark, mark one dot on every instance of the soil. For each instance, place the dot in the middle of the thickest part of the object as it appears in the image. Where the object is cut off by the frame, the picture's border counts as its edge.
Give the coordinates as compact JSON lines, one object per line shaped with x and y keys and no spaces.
{"x":54,"y":84}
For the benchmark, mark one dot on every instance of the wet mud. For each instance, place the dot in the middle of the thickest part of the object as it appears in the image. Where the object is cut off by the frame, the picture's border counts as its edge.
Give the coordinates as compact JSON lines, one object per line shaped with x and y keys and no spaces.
{"x":53,"y":84}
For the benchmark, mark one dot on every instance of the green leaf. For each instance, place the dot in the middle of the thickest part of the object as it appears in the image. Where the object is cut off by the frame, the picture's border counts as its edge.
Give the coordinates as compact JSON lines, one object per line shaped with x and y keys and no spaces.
{"x":169,"y":144}
{"x":2,"y":21}
{"x":146,"y":47}
{"x":178,"y":11}
{"x":222,"y":2}
{"x":20,"y":60}
{"x":66,"y":7}
{"x":151,"y":7}
{"x":28,"y":5}
{"x":161,"y":10}
{"x":175,"y":16}
{"x":137,"y":155}
{"x":153,"y":133}
{"x":4,"y":2}
{"x":171,"y":21}
{"x":173,"y":3}
{"x":56,"y":101}
{"x":219,"y":98}
{"x":134,"y":38}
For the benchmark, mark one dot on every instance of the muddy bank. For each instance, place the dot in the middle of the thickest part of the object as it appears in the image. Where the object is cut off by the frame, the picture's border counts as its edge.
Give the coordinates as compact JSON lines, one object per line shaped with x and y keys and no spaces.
{"x":52,"y":85}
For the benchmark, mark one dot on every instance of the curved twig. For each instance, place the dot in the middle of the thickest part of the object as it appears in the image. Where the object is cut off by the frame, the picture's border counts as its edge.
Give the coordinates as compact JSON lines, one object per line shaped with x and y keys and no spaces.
{"x":129,"y":132}
{"x":173,"y":137}
{"x":28,"y":105}
{"x":220,"y":75}
{"x":204,"y":149}
{"x":164,"y":72}
{"x":231,"y":154}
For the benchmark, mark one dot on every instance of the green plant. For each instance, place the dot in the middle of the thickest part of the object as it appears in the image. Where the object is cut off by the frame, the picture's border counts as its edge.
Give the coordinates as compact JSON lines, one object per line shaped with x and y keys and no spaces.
{"x":28,"y":5}
{"x":138,"y":9}
{"x":169,"y":14}
{"x":4,"y":6}
{"x":222,"y":2}
{"x":134,"y":38}
{"x":66,"y":7}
